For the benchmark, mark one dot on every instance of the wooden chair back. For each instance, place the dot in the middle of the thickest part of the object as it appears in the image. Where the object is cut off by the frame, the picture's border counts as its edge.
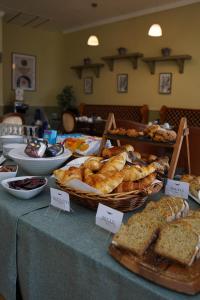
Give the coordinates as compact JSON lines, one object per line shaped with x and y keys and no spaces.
{"x":173,"y":115}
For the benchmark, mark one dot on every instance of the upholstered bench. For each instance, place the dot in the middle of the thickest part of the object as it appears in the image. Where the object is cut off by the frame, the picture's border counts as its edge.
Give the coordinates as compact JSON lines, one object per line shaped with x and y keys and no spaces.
{"x":132,"y":113}
{"x":172,"y":115}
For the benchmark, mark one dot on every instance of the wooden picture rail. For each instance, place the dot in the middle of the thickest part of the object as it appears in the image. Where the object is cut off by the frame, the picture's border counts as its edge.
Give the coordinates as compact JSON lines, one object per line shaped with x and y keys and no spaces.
{"x":182,"y":134}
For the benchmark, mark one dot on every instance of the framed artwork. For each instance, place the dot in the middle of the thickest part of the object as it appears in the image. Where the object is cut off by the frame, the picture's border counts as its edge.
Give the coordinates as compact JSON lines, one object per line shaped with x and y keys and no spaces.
{"x":23,"y":72}
{"x":122,"y":83}
{"x":165,"y":83}
{"x":88,"y":85}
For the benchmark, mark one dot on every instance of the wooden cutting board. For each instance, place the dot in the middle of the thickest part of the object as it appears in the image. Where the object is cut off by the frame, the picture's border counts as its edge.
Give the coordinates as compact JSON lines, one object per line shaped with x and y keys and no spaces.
{"x":161,"y":271}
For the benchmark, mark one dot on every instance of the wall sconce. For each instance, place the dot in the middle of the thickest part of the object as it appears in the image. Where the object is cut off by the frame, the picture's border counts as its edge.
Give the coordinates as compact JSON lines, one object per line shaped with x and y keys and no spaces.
{"x":155,"y":30}
{"x":93,"y":41}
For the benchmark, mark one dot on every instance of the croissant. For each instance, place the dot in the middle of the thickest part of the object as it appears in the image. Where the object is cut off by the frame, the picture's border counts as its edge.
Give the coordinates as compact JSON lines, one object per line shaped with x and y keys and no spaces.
{"x":106,"y":182}
{"x":109,"y":152}
{"x":115,"y":163}
{"x":134,"y":173}
{"x":93,"y":163}
{"x":128,"y":186}
{"x":63,"y":176}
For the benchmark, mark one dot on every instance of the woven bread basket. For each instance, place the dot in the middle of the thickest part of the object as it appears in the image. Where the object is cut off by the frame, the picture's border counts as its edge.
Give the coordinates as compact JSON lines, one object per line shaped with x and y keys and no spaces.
{"x":124,"y":202}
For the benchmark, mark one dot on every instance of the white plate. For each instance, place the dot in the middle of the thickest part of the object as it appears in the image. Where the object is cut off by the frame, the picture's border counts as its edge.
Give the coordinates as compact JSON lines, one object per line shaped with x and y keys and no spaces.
{"x":194,"y":198}
{"x":22,"y":194}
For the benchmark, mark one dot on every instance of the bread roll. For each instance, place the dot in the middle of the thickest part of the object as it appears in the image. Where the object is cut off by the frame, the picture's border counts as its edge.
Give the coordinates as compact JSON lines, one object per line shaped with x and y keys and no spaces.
{"x":115,"y":163}
{"x":134,"y":173}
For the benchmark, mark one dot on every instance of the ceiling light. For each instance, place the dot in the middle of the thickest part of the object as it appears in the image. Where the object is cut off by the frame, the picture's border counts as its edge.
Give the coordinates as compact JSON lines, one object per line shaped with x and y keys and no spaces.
{"x":155,"y":30}
{"x":93,"y":41}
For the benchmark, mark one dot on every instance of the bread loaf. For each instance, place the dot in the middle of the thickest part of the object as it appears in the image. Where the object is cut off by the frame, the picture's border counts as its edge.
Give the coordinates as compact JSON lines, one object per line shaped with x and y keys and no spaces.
{"x":179,"y":242}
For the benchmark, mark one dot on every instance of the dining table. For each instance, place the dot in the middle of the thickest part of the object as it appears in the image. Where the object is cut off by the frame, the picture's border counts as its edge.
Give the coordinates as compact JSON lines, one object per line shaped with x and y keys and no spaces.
{"x":49,"y":254}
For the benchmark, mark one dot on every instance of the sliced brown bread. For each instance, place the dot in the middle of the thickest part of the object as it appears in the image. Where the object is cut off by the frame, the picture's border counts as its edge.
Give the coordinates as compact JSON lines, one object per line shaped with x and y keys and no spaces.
{"x":136,"y":237}
{"x":142,"y":228}
{"x":177,"y":241}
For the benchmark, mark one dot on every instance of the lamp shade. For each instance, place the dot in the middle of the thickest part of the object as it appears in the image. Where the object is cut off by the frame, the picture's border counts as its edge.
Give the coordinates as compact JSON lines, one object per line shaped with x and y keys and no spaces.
{"x":155,"y":30}
{"x":93,"y":41}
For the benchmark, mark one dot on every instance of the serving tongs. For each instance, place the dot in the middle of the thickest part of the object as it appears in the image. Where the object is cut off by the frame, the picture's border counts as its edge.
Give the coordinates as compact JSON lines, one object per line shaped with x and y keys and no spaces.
{"x":133,"y":160}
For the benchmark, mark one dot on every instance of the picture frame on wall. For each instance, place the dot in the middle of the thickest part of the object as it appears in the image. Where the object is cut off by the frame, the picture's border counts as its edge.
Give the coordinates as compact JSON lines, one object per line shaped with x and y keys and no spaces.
{"x":122,"y":83}
{"x":88,"y":85}
{"x":24,"y":71}
{"x":165,"y":83}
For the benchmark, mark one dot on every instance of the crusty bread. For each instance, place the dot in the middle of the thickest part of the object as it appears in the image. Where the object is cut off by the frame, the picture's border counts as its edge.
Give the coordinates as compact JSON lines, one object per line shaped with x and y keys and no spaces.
{"x":179,"y":242}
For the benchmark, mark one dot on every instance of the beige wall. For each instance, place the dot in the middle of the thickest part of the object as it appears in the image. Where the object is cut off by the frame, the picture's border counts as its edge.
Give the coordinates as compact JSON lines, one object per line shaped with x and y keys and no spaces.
{"x":1,"y":66}
{"x":50,"y":52}
{"x":180,"y":32}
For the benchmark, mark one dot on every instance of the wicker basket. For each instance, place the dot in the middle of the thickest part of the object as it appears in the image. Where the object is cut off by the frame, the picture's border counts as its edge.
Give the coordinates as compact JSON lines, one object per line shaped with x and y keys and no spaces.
{"x":127,"y":201}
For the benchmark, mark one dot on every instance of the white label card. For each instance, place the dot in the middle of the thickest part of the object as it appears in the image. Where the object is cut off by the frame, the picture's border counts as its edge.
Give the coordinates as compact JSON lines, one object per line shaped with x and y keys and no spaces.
{"x":60,"y":199}
{"x":177,"y":188}
{"x":108,"y":218}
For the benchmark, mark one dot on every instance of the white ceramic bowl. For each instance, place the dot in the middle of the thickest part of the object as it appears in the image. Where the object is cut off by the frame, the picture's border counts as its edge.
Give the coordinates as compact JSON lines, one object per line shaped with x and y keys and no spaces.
{"x":22,"y":194}
{"x":8,"y":147}
{"x":5,"y":139}
{"x":38,"y":166}
{"x":6,"y":175}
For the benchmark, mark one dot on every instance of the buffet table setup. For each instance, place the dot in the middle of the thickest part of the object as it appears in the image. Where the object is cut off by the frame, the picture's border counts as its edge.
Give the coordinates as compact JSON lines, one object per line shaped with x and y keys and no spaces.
{"x":53,"y":219}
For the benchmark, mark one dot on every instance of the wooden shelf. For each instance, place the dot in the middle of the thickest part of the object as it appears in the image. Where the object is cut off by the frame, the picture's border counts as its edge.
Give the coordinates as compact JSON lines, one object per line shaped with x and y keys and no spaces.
{"x":178,"y":59}
{"x":132,"y":57}
{"x":139,"y":139}
{"x":182,"y":134}
{"x":94,"y":67}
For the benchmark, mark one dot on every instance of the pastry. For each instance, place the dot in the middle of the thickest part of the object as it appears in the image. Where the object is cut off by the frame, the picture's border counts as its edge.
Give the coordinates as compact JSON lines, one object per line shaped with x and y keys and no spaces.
{"x":163,"y":135}
{"x":63,"y":176}
{"x":109,"y":152}
{"x":120,"y":131}
{"x":115,"y":163}
{"x":93,"y":163}
{"x":136,"y":185}
{"x":134,"y":173}
{"x":151,"y":130}
{"x":132,"y":132}
{"x":106,"y":182}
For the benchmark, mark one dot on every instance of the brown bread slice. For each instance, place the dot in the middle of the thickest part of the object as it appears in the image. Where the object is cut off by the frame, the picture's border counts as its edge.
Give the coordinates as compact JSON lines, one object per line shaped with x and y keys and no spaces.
{"x":136,"y":237}
{"x":177,"y":241}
